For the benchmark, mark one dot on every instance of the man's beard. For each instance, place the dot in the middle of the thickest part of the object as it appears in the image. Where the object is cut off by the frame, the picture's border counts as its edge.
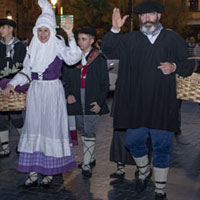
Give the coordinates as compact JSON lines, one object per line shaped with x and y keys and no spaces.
{"x":152,"y":26}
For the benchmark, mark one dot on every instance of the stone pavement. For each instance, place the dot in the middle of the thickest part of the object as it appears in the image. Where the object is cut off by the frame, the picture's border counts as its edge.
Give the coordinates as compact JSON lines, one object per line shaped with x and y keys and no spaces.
{"x":183,"y":180}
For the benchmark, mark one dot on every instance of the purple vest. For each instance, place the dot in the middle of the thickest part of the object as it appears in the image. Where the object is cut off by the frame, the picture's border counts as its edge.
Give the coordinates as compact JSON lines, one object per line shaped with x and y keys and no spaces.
{"x":51,"y":73}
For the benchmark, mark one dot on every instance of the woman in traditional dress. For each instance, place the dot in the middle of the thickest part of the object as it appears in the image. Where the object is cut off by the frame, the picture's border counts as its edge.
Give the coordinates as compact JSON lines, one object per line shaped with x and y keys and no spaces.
{"x":44,"y":145}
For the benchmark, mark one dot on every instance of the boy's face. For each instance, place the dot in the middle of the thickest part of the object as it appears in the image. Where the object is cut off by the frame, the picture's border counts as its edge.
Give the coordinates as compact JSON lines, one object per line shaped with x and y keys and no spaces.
{"x":85,"y":41}
{"x":6,"y":30}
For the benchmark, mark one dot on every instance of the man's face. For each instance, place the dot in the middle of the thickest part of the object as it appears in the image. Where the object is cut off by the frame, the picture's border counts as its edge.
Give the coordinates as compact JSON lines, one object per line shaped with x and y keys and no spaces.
{"x":85,"y":41}
{"x":192,"y":39}
{"x":43,"y":34}
{"x":6,"y":30}
{"x":149,"y":21}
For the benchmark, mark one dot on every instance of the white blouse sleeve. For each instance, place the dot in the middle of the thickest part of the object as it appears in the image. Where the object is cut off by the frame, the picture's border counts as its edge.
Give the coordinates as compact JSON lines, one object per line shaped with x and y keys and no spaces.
{"x":20,"y":79}
{"x":72,"y":54}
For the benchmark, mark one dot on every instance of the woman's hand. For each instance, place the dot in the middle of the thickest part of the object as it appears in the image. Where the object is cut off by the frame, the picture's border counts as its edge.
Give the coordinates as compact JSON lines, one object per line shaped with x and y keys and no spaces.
{"x":8,"y":90}
{"x":117,"y":21}
{"x":68,"y":26}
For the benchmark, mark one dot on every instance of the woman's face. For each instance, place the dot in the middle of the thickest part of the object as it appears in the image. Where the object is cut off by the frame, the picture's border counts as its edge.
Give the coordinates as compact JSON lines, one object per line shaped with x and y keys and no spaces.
{"x":43,"y":34}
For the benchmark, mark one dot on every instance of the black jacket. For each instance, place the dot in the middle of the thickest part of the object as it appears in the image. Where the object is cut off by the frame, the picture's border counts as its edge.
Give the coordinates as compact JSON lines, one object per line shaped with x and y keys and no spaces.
{"x":96,"y":89}
{"x":145,"y":97}
{"x":18,"y":57}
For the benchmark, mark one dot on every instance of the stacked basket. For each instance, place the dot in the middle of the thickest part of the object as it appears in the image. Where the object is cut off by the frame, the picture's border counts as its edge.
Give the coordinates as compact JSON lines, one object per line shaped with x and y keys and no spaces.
{"x":188,"y":88}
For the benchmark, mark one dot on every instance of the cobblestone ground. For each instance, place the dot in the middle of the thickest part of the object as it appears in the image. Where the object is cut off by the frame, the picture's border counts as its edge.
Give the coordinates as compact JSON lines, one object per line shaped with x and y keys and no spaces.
{"x":183,"y":180}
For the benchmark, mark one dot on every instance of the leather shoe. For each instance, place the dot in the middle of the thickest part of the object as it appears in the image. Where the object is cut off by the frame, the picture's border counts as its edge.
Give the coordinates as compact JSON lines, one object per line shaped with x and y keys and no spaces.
{"x":142,"y":184}
{"x":46,"y":184}
{"x":86,"y":173}
{"x":92,"y":164}
{"x":117,"y":175}
{"x":159,"y":196}
{"x":30,"y":184}
{"x":5,"y":155}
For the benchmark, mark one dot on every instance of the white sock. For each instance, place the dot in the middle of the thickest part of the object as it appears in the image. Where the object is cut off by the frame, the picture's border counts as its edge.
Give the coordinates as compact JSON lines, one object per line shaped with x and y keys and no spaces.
{"x":33,"y":176}
{"x":120,"y":168}
{"x":47,"y":179}
{"x":88,"y":151}
{"x":160,"y":176}
{"x":143,"y":166}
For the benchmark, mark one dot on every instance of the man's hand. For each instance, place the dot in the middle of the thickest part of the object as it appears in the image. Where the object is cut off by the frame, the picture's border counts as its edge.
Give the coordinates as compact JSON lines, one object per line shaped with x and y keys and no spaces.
{"x":71,"y":99}
{"x":8,"y":90}
{"x":117,"y":21}
{"x":95,"y":107}
{"x":68,"y":26}
{"x":167,"y":68}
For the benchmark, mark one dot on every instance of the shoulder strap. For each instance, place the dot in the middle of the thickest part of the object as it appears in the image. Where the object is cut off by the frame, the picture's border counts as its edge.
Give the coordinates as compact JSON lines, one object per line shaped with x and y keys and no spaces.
{"x":25,"y":75}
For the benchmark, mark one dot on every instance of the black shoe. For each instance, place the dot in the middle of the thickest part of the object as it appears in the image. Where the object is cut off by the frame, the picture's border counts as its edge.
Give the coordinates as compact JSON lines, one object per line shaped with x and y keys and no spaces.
{"x":31,"y":183}
{"x":92,"y":164}
{"x":46,"y":184}
{"x":5,"y":153}
{"x":86,"y":173}
{"x":117,"y":175}
{"x":159,"y":196}
{"x":142,"y":184}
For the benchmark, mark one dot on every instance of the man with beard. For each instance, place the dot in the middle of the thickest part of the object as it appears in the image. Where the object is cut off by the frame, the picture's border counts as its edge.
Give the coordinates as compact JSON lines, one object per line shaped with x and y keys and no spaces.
{"x":146,"y":90}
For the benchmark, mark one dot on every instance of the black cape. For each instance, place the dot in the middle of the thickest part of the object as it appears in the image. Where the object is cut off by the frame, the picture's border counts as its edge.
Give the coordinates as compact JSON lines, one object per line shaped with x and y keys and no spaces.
{"x":145,"y":97}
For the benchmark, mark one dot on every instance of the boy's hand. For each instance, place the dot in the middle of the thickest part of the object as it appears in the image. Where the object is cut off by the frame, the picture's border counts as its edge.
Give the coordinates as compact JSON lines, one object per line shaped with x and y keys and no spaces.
{"x":71,"y":99}
{"x":95,"y":107}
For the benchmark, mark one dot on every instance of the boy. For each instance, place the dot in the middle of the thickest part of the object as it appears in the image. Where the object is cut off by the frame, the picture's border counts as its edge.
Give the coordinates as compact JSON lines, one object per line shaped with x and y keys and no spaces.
{"x":87,"y":85}
{"x":12,"y":51}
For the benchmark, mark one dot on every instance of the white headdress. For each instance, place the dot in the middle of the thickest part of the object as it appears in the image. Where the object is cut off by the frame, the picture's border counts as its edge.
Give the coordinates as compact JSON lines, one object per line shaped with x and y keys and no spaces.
{"x":43,"y":54}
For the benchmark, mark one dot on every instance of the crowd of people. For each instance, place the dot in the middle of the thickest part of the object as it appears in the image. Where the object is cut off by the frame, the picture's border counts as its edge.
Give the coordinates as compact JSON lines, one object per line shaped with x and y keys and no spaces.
{"x":145,"y":109}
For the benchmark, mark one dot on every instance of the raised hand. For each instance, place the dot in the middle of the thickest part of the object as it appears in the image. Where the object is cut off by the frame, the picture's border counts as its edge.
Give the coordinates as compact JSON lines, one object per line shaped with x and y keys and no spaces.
{"x":68,"y":26}
{"x":117,"y":21}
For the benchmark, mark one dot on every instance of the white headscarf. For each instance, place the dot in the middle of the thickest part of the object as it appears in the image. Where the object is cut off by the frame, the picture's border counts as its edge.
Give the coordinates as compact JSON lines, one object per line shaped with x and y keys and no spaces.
{"x":43,"y":54}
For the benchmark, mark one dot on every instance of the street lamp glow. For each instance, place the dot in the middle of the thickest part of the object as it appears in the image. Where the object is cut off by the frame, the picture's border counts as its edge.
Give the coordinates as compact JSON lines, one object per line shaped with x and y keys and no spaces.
{"x":9,"y":17}
{"x":54,"y":2}
{"x":8,"y":14}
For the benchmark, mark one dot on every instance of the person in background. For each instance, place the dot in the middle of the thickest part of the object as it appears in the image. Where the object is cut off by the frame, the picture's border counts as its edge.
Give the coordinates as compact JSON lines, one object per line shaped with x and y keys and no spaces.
{"x":12,"y":52}
{"x":191,"y":45}
{"x":119,"y":153}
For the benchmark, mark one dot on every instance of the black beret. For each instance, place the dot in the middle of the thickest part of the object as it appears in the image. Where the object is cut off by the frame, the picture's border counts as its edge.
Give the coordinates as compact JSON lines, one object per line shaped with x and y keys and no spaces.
{"x":148,"y":7}
{"x":87,"y":30}
{"x":6,"y":21}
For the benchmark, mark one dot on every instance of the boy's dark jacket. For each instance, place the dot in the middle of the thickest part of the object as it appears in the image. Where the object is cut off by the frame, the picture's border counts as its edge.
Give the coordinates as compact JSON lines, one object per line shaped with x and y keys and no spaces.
{"x":19,"y":54}
{"x":96,"y":89}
